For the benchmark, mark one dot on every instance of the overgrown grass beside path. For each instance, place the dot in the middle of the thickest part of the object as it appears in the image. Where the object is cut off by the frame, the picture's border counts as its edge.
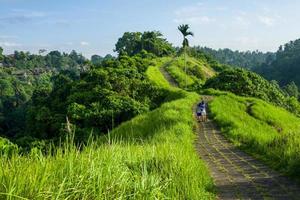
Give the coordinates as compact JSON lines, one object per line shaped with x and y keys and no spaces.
{"x":266,"y":131}
{"x":150,"y":157}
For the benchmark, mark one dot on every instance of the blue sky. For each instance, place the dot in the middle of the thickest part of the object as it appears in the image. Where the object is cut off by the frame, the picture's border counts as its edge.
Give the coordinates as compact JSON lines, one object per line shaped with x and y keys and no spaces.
{"x":93,"y":27}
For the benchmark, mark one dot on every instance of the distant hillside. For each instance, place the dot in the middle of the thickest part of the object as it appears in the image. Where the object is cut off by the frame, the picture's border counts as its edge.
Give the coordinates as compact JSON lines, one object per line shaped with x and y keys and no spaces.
{"x":247,"y":59}
{"x":286,"y":67}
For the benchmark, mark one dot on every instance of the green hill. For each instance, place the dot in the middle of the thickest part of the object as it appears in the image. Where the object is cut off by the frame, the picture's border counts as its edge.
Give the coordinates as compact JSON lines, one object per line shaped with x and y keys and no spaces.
{"x":197,"y":70}
{"x":120,"y":130}
{"x":151,"y":156}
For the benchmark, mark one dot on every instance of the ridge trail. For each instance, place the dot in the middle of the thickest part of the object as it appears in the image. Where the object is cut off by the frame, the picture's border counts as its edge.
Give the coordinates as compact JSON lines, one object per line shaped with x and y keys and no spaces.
{"x":236,"y":174}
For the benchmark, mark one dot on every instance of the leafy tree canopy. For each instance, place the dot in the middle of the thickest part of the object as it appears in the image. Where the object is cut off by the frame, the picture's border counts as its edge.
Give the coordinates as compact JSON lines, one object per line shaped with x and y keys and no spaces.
{"x":132,"y":43}
{"x":286,"y":67}
{"x":246,"y":83}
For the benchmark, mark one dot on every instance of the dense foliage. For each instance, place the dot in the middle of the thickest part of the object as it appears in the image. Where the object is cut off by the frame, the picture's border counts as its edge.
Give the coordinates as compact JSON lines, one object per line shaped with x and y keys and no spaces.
{"x":37,"y":64}
{"x":248,"y":59}
{"x":15,"y":92}
{"x":132,"y":43}
{"x":26,"y":78}
{"x":41,"y":93}
{"x":286,"y":67}
{"x":99,"y":100}
{"x":151,"y":156}
{"x":246,"y":83}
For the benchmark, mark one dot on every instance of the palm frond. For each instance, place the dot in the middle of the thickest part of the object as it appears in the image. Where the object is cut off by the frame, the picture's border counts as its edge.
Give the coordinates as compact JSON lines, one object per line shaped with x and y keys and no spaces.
{"x":184,"y":30}
{"x":189,"y":33}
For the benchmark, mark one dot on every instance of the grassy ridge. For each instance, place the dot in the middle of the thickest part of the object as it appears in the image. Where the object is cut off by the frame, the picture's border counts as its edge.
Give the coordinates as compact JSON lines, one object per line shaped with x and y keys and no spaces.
{"x":270,"y":133}
{"x":150,"y":157}
{"x":154,"y":75}
{"x":176,"y":70}
{"x":196,"y":71}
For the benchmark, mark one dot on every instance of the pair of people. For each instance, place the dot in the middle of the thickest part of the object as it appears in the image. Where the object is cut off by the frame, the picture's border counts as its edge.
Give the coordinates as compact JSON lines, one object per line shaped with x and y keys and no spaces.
{"x":201,"y":111}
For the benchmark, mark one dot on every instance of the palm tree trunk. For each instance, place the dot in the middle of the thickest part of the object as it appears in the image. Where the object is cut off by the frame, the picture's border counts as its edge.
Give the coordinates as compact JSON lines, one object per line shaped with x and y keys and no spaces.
{"x":185,"y":67}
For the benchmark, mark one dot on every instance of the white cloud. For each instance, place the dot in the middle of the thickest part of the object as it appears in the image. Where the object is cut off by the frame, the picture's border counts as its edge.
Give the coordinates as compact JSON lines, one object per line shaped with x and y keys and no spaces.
{"x":21,"y":16}
{"x":242,"y":21}
{"x":69,"y":43}
{"x":195,"y":20}
{"x":221,"y":8}
{"x":247,"y":41}
{"x":10,"y":44}
{"x":200,"y":4}
{"x":83,"y":43}
{"x":193,"y":15}
{"x":4,"y":37}
{"x":268,"y":21}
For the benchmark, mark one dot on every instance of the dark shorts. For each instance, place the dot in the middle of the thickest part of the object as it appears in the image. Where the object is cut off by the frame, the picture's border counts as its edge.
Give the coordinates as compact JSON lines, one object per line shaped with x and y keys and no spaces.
{"x":199,"y":114}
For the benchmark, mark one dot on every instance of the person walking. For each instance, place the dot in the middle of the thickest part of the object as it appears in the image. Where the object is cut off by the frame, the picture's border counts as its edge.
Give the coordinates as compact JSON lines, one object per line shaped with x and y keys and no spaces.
{"x":201,"y":111}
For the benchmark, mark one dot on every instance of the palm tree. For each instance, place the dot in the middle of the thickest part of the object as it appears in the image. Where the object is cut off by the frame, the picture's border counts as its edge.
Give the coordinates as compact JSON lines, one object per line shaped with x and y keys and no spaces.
{"x":184,"y":29}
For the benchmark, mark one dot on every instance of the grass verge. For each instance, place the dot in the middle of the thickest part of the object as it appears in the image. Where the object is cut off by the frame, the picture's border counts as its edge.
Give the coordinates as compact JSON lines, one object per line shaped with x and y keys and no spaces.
{"x":268,"y":132}
{"x":150,"y":157}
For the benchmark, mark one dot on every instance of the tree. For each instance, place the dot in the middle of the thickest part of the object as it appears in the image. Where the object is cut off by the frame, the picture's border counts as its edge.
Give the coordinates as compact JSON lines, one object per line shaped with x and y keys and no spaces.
{"x":41,"y":51}
{"x":1,"y":56}
{"x":151,"y":41}
{"x":291,"y":90}
{"x":96,"y":59}
{"x":184,"y":29}
{"x":129,"y":43}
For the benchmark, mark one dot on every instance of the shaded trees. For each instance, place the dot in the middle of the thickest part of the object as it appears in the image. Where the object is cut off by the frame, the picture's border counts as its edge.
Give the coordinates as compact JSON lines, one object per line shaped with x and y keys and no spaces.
{"x":286,"y":67}
{"x":132,"y":43}
{"x":247,"y":59}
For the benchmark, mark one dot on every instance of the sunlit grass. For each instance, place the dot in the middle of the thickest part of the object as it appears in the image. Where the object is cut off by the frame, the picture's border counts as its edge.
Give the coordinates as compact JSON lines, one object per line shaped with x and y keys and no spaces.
{"x":178,"y":73}
{"x":155,"y":76}
{"x":150,"y":157}
{"x":270,"y":133}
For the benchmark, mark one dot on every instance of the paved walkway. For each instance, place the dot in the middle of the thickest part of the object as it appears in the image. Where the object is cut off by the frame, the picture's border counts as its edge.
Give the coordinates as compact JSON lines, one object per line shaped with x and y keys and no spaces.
{"x":167,"y":76}
{"x":238,"y":175}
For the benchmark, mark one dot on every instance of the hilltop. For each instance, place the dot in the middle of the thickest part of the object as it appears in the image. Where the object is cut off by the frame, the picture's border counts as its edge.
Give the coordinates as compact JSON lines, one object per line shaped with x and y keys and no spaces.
{"x":124,"y":127}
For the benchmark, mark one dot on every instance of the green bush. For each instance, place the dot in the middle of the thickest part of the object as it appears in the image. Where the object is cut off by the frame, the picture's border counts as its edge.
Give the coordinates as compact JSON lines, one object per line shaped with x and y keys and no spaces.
{"x":246,"y":83}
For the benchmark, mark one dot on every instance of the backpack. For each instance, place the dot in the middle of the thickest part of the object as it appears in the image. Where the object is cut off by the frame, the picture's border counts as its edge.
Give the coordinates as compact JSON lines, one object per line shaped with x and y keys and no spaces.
{"x":199,"y":109}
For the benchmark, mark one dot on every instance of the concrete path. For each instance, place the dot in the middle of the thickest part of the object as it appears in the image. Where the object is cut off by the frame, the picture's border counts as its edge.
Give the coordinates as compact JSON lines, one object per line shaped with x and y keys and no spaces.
{"x":238,"y":175}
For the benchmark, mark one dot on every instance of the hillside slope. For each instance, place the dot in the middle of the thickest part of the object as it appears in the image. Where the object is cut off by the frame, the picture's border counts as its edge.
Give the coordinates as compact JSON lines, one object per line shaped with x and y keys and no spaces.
{"x":151,"y":156}
{"x":196,"y":71}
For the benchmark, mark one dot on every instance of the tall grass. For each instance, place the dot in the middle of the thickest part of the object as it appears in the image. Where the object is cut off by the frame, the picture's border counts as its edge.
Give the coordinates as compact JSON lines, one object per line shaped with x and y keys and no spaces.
{"x":154,"y":75}
{"x":195,"y":71}
{"x":150,"y":157}
{"x":179,"y":75}
{"x":268,"y":132}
